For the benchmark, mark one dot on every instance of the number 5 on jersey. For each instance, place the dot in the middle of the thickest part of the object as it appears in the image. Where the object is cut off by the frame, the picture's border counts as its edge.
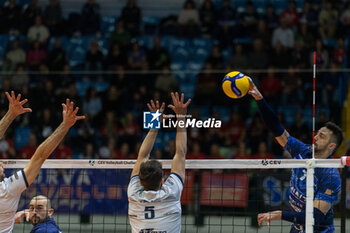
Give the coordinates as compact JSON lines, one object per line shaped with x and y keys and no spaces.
{"x":150,"y":210}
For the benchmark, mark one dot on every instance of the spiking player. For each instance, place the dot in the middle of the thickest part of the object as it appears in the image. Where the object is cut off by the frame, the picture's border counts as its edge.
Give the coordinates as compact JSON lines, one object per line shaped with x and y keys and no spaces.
{"x":12,"y":187}
{"x":327,"y":180}
{"x":154,"y":204}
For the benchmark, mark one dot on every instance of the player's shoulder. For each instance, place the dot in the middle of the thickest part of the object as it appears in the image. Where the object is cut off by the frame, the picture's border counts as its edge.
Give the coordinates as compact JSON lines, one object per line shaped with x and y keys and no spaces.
{"x":174,"y":177}
{"x":330,"y":175}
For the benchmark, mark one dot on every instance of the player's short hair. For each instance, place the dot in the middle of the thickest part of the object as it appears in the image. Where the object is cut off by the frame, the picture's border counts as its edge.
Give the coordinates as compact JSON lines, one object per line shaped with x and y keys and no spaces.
{"x":41,"y":197}
{"x":337,"y":133}
{"x":151,"y":174}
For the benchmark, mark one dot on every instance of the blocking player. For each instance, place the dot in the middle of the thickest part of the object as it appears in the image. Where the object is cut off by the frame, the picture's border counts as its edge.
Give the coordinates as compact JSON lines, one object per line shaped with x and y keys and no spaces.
{"x":40,"y":215}
{"x":12,"y":187}
{"x":154,"y":203}
{"x":327,"y":180}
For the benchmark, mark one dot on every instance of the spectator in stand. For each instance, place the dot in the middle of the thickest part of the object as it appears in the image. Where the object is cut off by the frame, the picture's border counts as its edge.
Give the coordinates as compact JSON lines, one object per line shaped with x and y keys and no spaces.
{"x":339,"y":53}
{"x":63,"y":151}
{"x":239,"y":59}
{"x":72,"y":94}
{"x":158,"y":57}
{"x":242,"y":152}
{"x":189,"y":19}
{"x":299,"y":56}
{"x":7,"y":149}
{"x":247,"y":20}
{"x":47,"y":125}
{"x":271,"y":86}
{"x":257,"y":58}
{"x":130,"y":130}
{"x":208,"y":17}
{"x":328,"y":20}
{"x":20,"y":78}
{"x":322,"y":56}
{"x":57,"y":57}
{"x":158,"y":154}
{"x":226,"y":14}
{"x":92,"y":104}
{"x":225,"y":35}
{"x":30,"y":11}
{"x":27,"y":151}
{"x":215,"y":58}
{"x":215,"y":152}
{"x":291,"y":15}
{"x":14,"y":57}
{"x":12,"y":17}
{"x":169,"y":149}
{"x":131,"y":15}
{"x":94,"y":58}
{"x":53,"y":17}
{"x":299,"y":129}
{"x":321,"y":121}
{"x":113,"y":98}
{"x":124,"y":152}
{"x":207,"y":85}
{"x":195,"y":152}
{"x":292,"y":93}
{"x":283,"y":34}
{"x":115,"y":58}
{"x":345,"y":20}
{"x":88,"y":153}
{"x":262,"y":152}
{"x":36,"y":55}
{"x":279,"y":56}
{"x":137,"y":57}
{"x":235,"y":129}
{"x":256,"y":133}
{"x":108,"y":151}
{"x":166,"y":82}
{"x":91,"y":18}
{"x":309,"y":16}
{"x":120,"y":36}
{"x":305,"y":36}
{"x":330,"y":86}
{"x":271,"y":18}
{"x":262,"y":33}
{"x":38,"y":32}
{"x":110,"y":126}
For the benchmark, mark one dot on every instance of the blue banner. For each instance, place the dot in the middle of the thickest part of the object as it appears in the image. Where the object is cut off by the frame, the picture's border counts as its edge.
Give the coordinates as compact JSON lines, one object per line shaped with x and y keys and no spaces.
{"x":87,"y":191}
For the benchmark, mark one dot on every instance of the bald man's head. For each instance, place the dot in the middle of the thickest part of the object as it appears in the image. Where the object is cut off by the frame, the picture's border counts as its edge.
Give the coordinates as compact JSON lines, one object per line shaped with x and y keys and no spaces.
{"x":40,"y":209}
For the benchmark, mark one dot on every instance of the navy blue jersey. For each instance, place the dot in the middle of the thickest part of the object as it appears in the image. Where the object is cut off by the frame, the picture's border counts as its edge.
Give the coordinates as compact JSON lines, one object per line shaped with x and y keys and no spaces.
{"x":48,"y":226}
{"x":327,"y":185}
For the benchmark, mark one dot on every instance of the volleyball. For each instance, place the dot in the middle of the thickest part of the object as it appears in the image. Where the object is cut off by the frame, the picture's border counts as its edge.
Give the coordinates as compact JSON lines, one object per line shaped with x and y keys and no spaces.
{"x":235,"y":84}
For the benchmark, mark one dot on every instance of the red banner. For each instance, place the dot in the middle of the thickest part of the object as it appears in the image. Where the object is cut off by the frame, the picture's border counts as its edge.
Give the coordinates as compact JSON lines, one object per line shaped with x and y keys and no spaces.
{"x":230,"y":190}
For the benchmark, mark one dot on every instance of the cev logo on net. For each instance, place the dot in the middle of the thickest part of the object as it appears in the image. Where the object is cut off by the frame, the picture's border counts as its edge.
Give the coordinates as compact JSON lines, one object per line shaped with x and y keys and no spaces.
{"x":152,"y":120}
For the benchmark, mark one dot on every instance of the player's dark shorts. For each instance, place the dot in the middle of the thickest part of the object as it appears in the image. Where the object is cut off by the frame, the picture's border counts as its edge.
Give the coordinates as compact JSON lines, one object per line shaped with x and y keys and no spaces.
{"x":320,"y":229}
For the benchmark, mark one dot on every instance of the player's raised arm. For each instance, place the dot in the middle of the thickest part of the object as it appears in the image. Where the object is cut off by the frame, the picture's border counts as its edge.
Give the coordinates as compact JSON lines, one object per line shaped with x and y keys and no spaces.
{"x":69,"y":113}
{"x":269,"y":117}
{"x":15,"y":109}
{"x":148,"y":142}
{"x":179,"y":160}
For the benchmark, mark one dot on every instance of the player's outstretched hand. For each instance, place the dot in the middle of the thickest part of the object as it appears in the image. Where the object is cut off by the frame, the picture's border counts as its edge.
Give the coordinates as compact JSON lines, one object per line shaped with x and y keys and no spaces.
{"x":16,"y":105}
{"x":178,"y":106}
{"x":269,"y":216}
{"x":70,"y":114}
{"x":253,"y":90}
{"x":154,"y":107}
{"x":22,"y":214}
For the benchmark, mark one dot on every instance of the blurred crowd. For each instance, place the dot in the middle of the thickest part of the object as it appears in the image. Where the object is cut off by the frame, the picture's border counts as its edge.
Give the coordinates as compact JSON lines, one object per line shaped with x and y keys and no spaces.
{"x":249,"y":38}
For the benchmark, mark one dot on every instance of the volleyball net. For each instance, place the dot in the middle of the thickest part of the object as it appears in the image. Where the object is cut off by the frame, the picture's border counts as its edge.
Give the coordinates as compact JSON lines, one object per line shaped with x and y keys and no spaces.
{"x":218,"y":196}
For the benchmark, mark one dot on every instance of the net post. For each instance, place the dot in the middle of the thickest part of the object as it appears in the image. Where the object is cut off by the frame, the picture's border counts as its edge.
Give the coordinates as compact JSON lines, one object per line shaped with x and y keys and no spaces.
{"x":343,"y":200}
{"x":309,"y":216}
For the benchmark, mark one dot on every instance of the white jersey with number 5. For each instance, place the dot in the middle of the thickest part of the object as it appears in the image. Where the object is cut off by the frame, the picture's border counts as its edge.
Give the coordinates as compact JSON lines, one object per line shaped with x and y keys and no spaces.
{"x":10,"y":192}
{"x":155,"y":211}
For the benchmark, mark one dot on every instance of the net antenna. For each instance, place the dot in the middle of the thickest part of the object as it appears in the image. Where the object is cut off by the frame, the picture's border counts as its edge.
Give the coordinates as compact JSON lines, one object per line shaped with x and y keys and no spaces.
{"x":310,"y":165}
